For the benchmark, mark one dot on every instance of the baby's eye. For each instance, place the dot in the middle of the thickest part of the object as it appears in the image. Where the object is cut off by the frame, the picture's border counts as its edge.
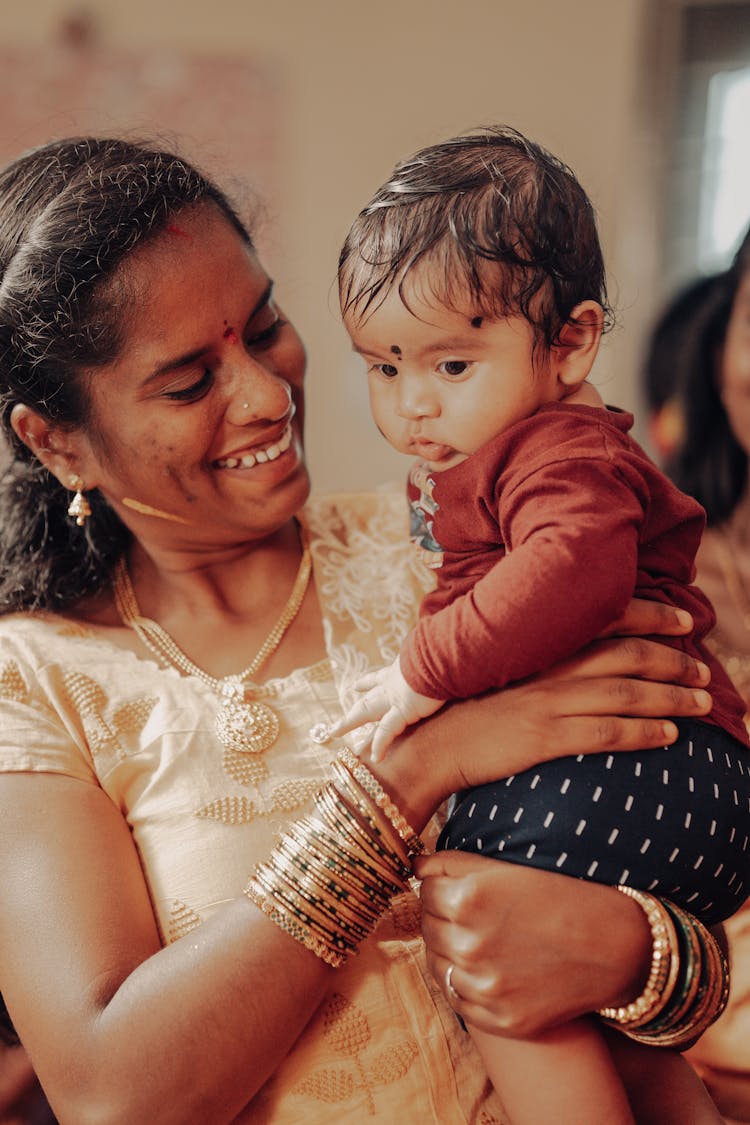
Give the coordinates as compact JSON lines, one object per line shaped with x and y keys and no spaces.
{"x":453,"y":367}
{"x":387,"y":369}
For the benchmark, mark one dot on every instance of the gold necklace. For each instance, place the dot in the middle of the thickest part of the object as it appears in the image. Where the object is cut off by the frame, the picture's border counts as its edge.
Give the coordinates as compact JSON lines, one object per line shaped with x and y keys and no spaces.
{"x":732,"y":577}
{"x":247,"y":726}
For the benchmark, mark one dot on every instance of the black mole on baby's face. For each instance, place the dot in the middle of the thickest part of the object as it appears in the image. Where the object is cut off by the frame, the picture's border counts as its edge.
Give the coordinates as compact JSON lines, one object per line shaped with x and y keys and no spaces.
{"x":396,"y":350}
{"x":476,"y":321}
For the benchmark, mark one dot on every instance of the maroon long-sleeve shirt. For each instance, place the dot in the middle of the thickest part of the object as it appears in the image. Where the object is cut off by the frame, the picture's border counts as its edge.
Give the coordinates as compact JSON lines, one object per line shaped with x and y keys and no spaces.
{"x":546,"y":534}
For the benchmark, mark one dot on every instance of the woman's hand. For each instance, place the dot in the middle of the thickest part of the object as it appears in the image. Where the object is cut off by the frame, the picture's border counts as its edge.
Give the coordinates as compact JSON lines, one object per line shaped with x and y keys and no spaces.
{"x":527,"y":946}
{"x":613,"y":695}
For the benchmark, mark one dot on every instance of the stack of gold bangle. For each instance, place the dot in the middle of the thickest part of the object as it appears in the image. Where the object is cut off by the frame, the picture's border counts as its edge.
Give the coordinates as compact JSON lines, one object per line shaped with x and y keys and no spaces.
{"x":333,"y":874}
{"x":688,"y":982}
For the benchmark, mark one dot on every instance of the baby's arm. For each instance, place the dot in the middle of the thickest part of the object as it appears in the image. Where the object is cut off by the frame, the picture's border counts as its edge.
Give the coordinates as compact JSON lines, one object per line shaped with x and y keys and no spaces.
{"x":390,"y":703}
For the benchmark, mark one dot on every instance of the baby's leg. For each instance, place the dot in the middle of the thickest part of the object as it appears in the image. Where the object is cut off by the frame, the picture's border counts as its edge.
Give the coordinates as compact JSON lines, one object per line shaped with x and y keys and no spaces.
{"x":581,"y":1074}
{"x":662,"y":1086}
{"x":566,"y":1076}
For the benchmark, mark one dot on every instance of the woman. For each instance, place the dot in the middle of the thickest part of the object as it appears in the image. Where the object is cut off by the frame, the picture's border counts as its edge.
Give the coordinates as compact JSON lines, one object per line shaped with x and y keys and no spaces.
{"x":149,"y":374}
{"x":711,"y":463}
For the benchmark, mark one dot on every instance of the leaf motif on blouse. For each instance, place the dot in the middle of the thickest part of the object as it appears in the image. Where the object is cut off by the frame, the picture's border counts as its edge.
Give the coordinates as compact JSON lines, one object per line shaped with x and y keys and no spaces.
{"x":347,"y":1030}
{"x":102,"y":728}
{"x":12,"y":684}
{"x":182,"y":921}
{"x":285,"y":797}
{"x":247,"y":769}
{"x":74,"y":629}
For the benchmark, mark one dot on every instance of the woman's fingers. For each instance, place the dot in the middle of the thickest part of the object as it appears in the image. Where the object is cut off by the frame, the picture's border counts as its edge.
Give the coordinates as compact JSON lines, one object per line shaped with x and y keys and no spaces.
{"x":642,"y":618}
{"x":634,"y":656}
{"x":505,"y":927}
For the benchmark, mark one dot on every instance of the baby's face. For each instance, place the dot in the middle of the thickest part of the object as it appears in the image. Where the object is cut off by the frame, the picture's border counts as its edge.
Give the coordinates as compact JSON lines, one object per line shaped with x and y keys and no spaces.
{"x":442,"y":383}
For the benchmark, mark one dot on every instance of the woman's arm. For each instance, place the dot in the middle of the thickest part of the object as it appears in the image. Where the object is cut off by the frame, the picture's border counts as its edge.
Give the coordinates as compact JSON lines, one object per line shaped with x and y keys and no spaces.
{"x":119,"y":1029}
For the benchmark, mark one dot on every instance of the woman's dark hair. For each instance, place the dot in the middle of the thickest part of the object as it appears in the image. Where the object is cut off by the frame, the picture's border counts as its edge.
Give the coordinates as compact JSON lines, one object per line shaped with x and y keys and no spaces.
{"x":496,"y":217}
{"x":710,"y":464}
{"x":70,"y":212}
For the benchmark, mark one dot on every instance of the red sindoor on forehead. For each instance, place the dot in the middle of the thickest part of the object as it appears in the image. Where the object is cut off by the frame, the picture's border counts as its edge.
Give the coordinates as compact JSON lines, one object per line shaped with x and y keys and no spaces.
{"x":230,"y":334}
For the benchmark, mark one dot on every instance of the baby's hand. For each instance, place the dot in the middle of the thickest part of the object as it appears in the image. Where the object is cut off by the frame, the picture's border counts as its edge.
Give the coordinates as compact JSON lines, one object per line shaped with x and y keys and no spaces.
{"x":389,"y":702}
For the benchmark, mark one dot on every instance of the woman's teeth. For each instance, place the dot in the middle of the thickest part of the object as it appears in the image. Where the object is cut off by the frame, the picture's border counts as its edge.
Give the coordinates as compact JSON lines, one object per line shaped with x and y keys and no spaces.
{"x":269,"y":453}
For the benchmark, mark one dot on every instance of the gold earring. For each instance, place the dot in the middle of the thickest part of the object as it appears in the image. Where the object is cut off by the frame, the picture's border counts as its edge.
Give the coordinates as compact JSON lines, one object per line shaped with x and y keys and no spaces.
{"x":79,"y":507}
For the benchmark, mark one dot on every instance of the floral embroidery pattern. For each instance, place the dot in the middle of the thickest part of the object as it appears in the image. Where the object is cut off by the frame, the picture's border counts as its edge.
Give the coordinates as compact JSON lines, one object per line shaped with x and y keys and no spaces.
{"x":346,"y":1030}
{"x":286,"y":797}
{"x":103,"y":729}
{"x":182,"y":921}
{"x":12,"y":684}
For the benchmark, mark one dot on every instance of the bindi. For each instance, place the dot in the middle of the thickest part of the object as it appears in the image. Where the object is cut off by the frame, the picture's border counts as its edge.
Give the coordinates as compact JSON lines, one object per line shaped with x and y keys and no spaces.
{"x":178,"y":232}
{"x":476,"y":321}
{"x":229,"y":333}
{"x":396,"y":350}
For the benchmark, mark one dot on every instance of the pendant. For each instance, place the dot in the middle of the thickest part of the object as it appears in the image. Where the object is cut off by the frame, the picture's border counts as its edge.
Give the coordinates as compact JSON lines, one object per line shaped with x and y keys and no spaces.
{"x":247,"y":728}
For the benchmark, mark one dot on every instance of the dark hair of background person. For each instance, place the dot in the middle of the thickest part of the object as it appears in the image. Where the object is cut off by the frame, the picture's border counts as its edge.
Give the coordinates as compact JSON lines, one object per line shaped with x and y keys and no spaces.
{"x":70,"y":212}
{"x":709,"y":463}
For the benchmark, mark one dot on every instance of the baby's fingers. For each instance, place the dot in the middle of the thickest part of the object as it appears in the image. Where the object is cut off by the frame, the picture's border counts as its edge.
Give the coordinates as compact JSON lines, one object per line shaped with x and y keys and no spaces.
{"x":389,"y":727}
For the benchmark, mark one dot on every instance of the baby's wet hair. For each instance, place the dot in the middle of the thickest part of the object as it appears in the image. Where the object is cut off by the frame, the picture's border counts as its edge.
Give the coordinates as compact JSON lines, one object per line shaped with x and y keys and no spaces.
{"x":499,"y":224}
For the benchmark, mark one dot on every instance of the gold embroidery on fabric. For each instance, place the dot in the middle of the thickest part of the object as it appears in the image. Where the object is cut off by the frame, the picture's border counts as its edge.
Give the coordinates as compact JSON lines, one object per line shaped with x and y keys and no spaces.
{"x":182,"y":921}
{"x":73,"y":629}
{"x":406,"y":913}
{"x":286,"y":797}
{"x":12,"y":684}
{"x":247,"y":769}
{"x":230,"y":810}
{"x":320,"y":673}
{"x":347,"y":1030}
{"x":89,"y":700}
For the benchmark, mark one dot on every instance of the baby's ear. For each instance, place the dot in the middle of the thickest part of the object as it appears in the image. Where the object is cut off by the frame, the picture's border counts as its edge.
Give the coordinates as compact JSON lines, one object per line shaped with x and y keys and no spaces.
{"x":578,"y":343}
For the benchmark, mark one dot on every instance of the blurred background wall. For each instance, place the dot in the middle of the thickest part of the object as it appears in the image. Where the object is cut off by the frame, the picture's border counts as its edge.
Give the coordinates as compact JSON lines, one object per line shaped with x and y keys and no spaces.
{"x":335,"y":91}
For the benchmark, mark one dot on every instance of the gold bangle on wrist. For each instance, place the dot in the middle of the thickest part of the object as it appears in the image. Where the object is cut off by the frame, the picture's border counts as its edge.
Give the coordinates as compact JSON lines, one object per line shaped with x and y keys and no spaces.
{"x":679,"y":1004}
{"x":333,"y":873}
{"x":663,"y":969}
{"x":367,"y":780}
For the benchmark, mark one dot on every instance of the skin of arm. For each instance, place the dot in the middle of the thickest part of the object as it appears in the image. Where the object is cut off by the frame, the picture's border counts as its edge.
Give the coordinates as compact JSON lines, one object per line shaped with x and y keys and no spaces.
{"x":97,"y":1001}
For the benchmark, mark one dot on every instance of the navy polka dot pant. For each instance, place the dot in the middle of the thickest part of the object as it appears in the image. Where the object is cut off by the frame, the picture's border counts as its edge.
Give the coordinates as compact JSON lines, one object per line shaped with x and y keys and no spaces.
{"x":674,"y":821}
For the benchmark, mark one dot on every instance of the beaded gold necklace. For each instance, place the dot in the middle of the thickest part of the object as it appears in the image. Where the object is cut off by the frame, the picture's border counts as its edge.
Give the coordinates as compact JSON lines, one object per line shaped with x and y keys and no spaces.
{"x":247,"y":726}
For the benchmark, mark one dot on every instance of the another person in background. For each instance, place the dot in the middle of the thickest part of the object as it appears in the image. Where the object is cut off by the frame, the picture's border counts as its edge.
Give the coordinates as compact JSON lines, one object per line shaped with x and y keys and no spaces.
{"x":689,"y":331}
{"x":712,"y":383}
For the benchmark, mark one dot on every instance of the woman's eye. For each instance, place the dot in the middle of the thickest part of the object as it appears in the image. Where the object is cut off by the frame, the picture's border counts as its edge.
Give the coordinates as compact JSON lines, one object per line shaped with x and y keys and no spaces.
{"x":266,"y":336}
{"x":192,"y":392}
{"x":453,"y":367}
{"x":387,"y":369}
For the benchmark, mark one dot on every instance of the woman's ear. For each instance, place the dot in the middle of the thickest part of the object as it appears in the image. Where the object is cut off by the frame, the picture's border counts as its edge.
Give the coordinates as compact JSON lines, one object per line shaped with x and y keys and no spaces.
{"x":578,"y":344}
{"x":53,"y":446}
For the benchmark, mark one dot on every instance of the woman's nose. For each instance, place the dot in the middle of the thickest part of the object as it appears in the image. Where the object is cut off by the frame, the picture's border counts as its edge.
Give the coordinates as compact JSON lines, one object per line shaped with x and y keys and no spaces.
{"x":258,"y":395}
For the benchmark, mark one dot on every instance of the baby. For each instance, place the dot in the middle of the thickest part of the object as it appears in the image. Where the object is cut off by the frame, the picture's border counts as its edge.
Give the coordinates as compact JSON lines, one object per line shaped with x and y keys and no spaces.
{"x":474,"y":288}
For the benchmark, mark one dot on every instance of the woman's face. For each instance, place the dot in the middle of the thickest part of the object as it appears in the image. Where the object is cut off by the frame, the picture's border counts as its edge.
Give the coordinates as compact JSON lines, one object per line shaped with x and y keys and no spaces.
{"x":196,"y":418}
{"x":735,"y":366}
